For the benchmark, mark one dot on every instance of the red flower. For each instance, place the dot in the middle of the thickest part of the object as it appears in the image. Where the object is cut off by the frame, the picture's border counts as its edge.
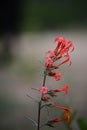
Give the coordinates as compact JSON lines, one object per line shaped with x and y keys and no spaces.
{"x":54,"y":91}
{"x":48,"y":62}
{"x":51,"y":53}
{"x":65,"y":89}
{"x":62,"y":49}
{"x":66,"y":59}
{"x":55,"y":120}
{"x":56,"y":75}
{"x":51,"y":123}
{"x":60,"y":40}
{"x":66,"y":117}
{"x":60,"y":107}
{"x":43,"y":90}
{"x":63,"y":46}
{"x":60,"y":52}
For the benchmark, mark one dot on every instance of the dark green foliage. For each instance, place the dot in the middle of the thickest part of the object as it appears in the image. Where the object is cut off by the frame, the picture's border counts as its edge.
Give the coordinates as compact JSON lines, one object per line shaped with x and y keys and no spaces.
{"x":82,"y":123}
{"x":43,"y":15}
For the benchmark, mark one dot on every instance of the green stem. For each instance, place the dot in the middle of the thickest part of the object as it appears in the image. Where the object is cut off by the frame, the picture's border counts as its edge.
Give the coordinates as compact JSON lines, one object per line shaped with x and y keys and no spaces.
{"x":45,"y":74}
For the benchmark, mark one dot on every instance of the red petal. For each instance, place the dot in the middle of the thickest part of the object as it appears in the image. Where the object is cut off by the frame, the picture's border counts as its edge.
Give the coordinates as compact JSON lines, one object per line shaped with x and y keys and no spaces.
{"x":60,"y":107}
{"x":66,"y":60}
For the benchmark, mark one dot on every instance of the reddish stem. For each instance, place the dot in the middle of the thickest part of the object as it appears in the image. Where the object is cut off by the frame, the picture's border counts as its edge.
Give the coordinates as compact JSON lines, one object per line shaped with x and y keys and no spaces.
{"x":40,"y":103}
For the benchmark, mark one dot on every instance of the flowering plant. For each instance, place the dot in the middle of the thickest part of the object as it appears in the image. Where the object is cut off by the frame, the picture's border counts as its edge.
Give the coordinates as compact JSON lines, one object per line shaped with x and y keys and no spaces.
{"x":54,"y":60}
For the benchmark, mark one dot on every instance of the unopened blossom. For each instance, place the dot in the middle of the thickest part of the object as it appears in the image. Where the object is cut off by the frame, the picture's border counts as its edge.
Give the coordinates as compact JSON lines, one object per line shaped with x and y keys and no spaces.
{"x":51,"y":53}
{"x":51,"y":123}
{"x":66,"y":117}
{"x":55,"y":75}
{"x":52,"y":93}
{"x":48,"y":62}
{"x":43,"y":90}
{"x":45,"y":98}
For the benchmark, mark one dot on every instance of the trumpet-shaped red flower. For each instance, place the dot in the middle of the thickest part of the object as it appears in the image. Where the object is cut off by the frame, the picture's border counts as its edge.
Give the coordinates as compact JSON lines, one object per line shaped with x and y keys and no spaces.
{"x":55,"y":120}
{"x":65,"y":89}
{"x":66,"y":117}
{"x":54,"y":91}
{"x":60,"y":107}
{"x":51,"y":123}
{"x":43,"y":90}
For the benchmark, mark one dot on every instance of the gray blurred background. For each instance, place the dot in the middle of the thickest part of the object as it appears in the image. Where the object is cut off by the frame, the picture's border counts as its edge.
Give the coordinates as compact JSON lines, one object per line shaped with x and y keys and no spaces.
{"x":27,"y":31}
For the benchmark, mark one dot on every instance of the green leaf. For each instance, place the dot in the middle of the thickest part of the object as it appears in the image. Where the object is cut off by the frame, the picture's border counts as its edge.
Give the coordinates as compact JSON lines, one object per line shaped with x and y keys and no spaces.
{"x":82,"y":123}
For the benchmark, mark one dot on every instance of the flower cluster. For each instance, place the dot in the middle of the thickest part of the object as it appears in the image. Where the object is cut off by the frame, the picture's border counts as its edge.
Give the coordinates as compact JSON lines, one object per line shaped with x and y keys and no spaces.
{"x":51,"y":123}
{"x":60,"y":53}
{"x":56,"y":58}
{"x":46,"y":96}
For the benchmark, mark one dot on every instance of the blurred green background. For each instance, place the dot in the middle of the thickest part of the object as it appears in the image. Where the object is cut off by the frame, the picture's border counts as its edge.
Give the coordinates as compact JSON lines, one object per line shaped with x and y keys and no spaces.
{"x":27,"y":31}
{"x":52,"y":15}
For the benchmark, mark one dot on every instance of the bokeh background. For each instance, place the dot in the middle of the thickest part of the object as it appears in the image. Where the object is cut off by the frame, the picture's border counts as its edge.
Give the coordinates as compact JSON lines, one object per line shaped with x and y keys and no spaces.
{"x":27,"y":31}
